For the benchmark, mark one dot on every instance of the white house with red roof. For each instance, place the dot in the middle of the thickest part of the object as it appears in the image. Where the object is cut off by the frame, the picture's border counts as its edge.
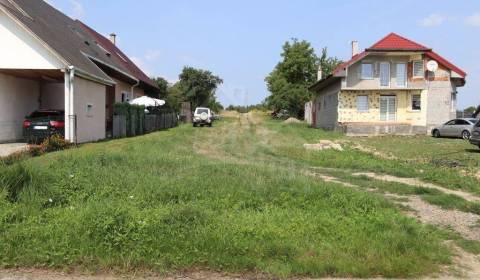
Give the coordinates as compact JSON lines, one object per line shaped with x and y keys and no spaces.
{"x":388,"y":89}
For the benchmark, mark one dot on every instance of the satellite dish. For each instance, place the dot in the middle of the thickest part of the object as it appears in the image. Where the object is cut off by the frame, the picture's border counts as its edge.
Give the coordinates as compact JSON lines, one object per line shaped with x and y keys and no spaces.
{"x":432,"y":66}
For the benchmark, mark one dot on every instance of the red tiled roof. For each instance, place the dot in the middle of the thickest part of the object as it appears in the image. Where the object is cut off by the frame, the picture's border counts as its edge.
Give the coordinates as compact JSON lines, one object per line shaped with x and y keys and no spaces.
{"x":121,"y":57}
{"x":394,"y":41}
{"x":433,"y":55}
{"x":346,"y":64}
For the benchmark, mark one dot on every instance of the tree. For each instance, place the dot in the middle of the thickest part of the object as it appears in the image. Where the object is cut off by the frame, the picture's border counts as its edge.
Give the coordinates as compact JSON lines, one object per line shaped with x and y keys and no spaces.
{"x":162,"y":85}
{"x":198,"y":86}
{"x":328,"y":64}
{"x":294,"y":74}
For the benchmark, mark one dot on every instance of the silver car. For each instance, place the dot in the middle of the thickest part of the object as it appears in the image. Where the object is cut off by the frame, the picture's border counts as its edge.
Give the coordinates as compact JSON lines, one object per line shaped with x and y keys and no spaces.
{"x":459,"y":128}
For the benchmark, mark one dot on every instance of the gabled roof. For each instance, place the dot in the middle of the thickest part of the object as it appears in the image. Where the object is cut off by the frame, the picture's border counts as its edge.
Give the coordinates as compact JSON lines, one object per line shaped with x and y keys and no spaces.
{"x":65,"y":38}
{"x":121,"y":58}
{"x":395,"y":42}
{"x":392,"y":42}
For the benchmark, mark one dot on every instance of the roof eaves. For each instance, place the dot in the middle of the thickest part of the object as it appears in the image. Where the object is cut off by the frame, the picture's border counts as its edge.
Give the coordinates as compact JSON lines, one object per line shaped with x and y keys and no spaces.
{"x":111,"y":67}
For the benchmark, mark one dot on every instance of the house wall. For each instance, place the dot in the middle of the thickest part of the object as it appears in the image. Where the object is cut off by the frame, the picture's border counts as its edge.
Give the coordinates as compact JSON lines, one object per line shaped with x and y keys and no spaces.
{"x":18,"y":98}
{"x":326,"y":107}
{"x":29,"y":52}
{"x":354,"y":72}
{"x":121,"y":87}
{"x":52,"y":96}
{"x":90,"y":125}
{"x":348,"y":113}
{"x":442,"y":104}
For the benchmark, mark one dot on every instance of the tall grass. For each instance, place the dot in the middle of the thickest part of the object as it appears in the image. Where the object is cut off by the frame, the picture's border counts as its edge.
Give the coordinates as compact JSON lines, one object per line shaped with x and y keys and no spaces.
{"x":153,"y":202}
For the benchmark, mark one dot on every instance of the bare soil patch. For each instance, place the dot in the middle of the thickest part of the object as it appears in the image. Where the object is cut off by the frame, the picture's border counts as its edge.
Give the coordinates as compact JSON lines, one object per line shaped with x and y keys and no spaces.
{"x":418,"y":183}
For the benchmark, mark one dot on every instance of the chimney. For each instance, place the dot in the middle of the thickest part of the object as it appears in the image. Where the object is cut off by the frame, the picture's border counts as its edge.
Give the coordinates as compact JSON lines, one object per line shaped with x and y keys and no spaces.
{"x":113,"y":38}
{"x":355,"y":48}
{"x":319,"y":73}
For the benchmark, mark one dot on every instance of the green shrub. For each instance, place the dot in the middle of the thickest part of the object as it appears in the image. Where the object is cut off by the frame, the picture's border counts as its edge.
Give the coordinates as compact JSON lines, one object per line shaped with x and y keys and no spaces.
{"x":134,"y":117}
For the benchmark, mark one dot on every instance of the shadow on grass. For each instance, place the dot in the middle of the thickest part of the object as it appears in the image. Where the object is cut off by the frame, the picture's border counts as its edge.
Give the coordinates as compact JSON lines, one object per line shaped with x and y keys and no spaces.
{"x":473,"y":151}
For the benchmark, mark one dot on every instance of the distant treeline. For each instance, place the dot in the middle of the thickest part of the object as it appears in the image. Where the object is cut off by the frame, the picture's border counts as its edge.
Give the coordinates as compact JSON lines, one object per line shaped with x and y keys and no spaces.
{"x":246,"y":109}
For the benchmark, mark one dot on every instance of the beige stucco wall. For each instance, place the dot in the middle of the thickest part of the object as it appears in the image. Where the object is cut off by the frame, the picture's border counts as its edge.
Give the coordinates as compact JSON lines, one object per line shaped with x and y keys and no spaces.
{"x":20,"y":50}
{"x":122,"y":86}
{"x":90,"y":126}
{"x":18,"y":98}
{"x":347,"y":107}
{"x":52,"y":96}
{"x":442,"y":107}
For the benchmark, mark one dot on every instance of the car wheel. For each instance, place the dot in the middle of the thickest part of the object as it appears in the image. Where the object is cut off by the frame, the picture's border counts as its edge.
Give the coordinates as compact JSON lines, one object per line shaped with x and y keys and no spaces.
{"x":436,"y":133}
{"x":194,"y":125}
{"x":466,"y":134}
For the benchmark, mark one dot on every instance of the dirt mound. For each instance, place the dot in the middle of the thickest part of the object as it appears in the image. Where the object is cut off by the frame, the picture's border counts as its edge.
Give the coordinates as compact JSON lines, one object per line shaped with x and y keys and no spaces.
{"x":292,"y":120}
{"x":323,"y":145}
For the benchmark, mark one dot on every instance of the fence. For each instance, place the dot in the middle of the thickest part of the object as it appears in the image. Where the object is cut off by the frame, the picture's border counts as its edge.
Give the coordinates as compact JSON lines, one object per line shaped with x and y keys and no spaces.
{"x":131,"y":122}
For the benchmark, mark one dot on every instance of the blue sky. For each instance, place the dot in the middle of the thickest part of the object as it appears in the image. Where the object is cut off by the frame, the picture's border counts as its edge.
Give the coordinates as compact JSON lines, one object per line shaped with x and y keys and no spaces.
{"x":241,"y":40}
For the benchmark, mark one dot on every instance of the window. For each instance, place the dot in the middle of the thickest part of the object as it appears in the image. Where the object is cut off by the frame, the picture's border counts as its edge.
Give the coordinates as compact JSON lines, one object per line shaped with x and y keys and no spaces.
{"x":362,"y":103}
{"x":416,"y":102}
{"x":461,"y":122}
{"x":385,"y":74}
{"x":367,"y":71}
{"x":89,"y":110}
{"x":125,"y":96}
{"x":401,"y":74}
{"x":418,"y":70}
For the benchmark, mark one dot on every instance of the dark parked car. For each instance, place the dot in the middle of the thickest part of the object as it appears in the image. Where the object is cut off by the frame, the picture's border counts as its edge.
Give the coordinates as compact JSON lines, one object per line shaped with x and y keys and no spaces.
{"x":475,"y":138}
{"x":42,"y":124}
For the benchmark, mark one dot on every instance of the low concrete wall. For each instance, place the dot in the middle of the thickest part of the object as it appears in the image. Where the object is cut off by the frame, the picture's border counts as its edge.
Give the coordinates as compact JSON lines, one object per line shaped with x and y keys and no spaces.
{"x":383,"y":129}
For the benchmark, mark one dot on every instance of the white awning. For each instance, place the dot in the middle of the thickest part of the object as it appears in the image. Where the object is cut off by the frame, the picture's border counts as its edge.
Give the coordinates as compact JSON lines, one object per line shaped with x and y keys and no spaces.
{"x":147,"y":102}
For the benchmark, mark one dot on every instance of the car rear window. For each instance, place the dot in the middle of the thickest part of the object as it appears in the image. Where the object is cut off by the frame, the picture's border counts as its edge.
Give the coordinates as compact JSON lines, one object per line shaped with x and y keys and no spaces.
{"x":44,"y":114}
{"x":201,"y":111}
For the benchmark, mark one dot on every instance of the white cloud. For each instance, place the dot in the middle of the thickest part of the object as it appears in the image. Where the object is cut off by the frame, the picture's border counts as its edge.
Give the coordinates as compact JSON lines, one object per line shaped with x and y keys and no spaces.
{"x":77,"y":10}
{"x":473,"y":20}
{"x":433,"y":20}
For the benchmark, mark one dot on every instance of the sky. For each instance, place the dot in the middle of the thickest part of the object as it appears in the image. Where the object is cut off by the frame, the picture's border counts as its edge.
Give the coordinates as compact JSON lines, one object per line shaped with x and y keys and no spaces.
{"x":241,"y":40}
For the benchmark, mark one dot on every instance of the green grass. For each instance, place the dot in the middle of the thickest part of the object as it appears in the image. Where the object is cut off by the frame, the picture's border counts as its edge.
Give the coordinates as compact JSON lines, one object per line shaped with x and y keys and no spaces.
{"x":158,"y":202}
{"x":435,"y":160}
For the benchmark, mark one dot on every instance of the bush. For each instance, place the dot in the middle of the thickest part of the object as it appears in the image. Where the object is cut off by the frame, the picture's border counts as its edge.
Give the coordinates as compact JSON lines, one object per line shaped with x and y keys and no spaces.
{"x":134,"y":116}
{"x":52,"y":144}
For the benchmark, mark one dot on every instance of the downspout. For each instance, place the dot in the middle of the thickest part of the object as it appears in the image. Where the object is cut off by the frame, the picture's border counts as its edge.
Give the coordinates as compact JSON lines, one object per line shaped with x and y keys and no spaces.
{"x":133,"y":87}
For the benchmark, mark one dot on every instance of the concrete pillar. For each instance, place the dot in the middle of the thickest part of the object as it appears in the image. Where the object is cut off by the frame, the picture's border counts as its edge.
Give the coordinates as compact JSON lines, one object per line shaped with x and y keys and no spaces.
{"x":68,"y":136}
{"x":70,"y":118}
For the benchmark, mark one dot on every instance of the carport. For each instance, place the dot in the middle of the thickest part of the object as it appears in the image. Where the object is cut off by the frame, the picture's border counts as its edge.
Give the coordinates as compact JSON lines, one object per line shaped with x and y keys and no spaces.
{"x":23,"y":91}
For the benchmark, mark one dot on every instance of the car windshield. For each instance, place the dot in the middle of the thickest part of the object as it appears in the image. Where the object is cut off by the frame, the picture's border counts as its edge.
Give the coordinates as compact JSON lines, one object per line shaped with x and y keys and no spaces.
{"x":473,"y":121}
{"x":201,"y":111}
{"x":44,"y":114}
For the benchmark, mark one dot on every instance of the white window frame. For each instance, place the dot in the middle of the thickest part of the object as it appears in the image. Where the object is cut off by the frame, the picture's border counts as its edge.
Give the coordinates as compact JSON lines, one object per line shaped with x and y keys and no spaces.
{"x":423,"y":68}
{"x":406,"y":74}
{"x":361,"y":71}
{"x":389,"y":74}
{"x":411,"y":102}
{"x":357,"y":103}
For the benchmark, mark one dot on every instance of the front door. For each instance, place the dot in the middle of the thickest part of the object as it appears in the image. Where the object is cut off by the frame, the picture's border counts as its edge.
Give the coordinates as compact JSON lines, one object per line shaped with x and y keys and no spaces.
{"x":388,"y":108}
